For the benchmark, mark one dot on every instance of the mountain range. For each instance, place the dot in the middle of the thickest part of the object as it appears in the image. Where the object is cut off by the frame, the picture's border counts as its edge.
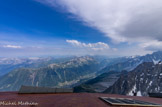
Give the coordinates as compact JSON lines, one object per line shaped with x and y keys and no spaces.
{"x":133,"y":61}
{"x":146,"y":78}
{"x":53,"y":75}
{"x":111,"y":73}
{"x":9,"y":64}
{"x":85,"y":74}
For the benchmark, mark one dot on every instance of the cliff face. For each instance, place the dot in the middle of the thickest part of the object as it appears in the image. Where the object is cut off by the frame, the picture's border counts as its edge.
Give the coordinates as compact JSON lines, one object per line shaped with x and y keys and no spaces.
{"x":146,"y":78}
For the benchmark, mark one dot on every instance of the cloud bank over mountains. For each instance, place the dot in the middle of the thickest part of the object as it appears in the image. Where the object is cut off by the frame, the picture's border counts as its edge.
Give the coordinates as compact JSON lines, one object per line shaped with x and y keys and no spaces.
{"x":12,"y":46}
{"x":121,"y":20}
{"x":94,"y":46}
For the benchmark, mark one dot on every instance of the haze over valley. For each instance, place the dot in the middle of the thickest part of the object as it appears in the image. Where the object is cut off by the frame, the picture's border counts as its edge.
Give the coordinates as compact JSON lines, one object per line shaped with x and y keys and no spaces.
{"x":99,"y":74}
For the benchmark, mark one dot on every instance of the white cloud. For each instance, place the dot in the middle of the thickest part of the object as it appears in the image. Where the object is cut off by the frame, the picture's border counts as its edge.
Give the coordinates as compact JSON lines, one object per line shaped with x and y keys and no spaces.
{"x":94,"y":46}
{"x":152,"y":45}
{"x":121,"y":20}
{"x":12,"y":46}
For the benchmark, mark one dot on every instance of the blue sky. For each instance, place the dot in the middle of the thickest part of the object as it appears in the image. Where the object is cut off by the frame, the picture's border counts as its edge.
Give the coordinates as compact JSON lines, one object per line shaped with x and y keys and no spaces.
{"x":60,"y":27}
{"x":40,"y":21}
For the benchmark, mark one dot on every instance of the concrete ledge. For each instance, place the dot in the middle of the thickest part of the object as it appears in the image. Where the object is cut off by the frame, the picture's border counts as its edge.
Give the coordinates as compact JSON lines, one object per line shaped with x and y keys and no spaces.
{"x":42,"y":90}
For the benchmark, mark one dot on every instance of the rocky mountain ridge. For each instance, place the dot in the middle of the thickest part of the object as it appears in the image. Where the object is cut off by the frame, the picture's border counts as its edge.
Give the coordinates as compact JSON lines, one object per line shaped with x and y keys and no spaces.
{"x":146,"y":78}
{"x":132,"y":62}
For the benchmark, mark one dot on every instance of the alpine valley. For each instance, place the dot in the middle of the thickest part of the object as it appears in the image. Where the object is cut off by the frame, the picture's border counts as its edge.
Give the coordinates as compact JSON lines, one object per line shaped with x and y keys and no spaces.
{"x":123,"y":75}
{"x":128,"y":76}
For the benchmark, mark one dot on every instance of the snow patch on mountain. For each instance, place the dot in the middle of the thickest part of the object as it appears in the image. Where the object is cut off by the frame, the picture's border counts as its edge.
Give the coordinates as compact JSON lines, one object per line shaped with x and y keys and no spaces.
{"x":132,"y":90}
{"x":139,"y":93}
{"x":155,"y":61}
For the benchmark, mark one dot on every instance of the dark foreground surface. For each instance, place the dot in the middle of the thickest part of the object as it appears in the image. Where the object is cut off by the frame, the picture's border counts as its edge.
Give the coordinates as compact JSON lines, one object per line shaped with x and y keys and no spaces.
{"x":62,"y":100}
